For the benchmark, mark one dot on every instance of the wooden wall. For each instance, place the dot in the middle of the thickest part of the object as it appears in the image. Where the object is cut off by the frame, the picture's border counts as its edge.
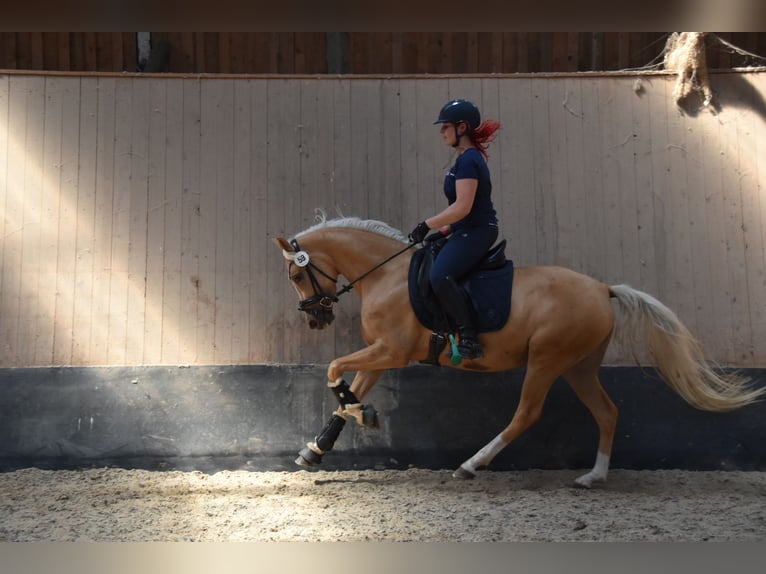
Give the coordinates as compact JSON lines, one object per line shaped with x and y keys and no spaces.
{"x":138,"y":212}
{"x":358,"y":52}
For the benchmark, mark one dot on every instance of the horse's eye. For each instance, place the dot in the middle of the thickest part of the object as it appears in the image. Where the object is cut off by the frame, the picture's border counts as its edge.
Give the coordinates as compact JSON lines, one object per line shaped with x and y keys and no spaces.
{"x":297,"y":278}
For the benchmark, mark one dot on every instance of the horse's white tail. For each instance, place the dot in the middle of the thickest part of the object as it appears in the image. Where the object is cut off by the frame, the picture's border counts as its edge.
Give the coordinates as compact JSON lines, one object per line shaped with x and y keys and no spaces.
{"x":677,"y":354}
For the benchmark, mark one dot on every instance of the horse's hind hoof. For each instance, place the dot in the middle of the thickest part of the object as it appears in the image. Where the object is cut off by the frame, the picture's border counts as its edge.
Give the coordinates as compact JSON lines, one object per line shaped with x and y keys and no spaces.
{"x":308,"y":458}
{"x":464,"y":474}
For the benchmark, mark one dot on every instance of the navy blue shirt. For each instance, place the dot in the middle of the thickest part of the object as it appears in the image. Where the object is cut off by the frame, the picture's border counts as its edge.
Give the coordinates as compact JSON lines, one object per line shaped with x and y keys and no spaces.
{"x":471,"y":165}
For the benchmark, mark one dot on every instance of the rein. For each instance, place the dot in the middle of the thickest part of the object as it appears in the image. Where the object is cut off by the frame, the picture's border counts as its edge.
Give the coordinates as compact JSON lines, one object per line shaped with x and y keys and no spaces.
{"x":302,"y":259}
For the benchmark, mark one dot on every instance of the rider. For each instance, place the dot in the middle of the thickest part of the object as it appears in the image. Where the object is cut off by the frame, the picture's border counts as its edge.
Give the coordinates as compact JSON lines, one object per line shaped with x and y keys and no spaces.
{"x":470,"y":216}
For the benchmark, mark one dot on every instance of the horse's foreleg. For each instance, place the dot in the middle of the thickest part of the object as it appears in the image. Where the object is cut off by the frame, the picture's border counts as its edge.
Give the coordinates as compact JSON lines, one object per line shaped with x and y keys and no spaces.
{"x":369,"y":363}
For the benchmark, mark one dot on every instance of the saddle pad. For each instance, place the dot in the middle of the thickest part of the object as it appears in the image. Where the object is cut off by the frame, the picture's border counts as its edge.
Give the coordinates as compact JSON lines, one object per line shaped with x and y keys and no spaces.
{"x":489,"y":290}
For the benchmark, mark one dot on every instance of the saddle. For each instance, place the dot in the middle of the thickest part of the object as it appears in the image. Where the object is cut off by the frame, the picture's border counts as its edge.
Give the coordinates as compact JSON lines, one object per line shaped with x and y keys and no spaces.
{"x":488,"y":286}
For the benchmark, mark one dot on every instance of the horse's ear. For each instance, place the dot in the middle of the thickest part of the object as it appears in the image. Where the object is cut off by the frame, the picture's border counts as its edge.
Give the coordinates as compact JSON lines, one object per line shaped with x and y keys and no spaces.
{"x":283,"y":244}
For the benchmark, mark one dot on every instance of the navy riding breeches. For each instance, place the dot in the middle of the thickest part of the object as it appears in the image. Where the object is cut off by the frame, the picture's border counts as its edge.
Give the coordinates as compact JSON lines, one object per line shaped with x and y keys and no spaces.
{"x":462,"y":252}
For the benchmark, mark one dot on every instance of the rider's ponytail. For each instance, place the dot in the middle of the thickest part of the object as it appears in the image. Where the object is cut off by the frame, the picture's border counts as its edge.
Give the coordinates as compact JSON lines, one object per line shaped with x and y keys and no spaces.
{"x":484,"y":135}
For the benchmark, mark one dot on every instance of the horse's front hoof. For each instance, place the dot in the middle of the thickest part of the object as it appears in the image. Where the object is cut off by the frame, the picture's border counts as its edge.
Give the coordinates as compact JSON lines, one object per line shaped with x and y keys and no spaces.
{"x":308,"y":458}
{"x":464,"y":474}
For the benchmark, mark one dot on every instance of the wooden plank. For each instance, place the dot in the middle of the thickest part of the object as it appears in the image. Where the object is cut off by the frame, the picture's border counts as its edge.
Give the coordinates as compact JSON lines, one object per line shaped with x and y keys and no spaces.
{"x":409,"y":64}
{"x":523,"y":44}
{"x":210,"y":95}
{"x":391,"y":140}
{"x":626,"y":155}
{"x":593,"y":198}
{"x":752,"y":198}
{"x":190,"y":220}
{"x":265,"y":262}
{"x":365,"y":149}
{"x":85,"y":226}
{"x":173,"y":223}
{"x":613,"y":140}
{"x":130,"y":52}
{"x":285,"y":52}
{"x":545,"y":226}
{"x":10,"y":290}
{"x":156,"y":204}
{"x":121,"y":216}
{"x":758,"y":270}
{"x":358,"y":53}
{"x":103,"y":220}
{"x":182,"y":52}
{"x":559,"y":166}
{"x":397,"y":54}
{"x":283,"y":199}
{"x":91,"y":51}
{"x":701,"y":297}
{"x":33,"y":319}
{"x":104,"y":56}
{"x":380,"y":53}
{"x":11,"y":59}
{"x":643,"y":107}
{"x":343,"y":190}
{"x":67,"y":224}
{"x":224,"y":294}
{"x":680,"y":273}
{"x":243,"y":202}
{"x":572,"y":107}
{"x":315,"y":138}
{"x":199,"y":52}
{"x":732,"y":217}
{"x":490,"y":106}
{"x":515,"y":195}
{"x":224,"y":53}
{"x":118,"y":52}
{"x":237,"y":43}
{"x":434,"y":157}
{"x":561,"y":55}
{"x":137,"y":222}
{"x":510,"y":52}
{"x":409,"y":126}
{"x":260,"y":53}
{"x":211,"y":56}
{"x":6,"y":199}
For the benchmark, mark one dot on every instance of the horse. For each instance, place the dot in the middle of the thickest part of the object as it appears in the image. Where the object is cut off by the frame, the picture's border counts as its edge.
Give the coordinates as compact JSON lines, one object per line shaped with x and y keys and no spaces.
{"x":561,"y":323}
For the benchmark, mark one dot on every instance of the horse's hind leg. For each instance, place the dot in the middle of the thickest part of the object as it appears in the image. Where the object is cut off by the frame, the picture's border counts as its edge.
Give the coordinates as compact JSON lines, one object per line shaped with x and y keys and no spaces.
{"x":583,"y":378}
{"x":537,"y":383}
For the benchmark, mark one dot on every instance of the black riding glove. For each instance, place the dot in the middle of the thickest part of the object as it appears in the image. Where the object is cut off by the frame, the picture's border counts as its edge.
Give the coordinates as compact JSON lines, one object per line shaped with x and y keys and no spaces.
{"x":419,"y":233}
{"x":435,"y":236}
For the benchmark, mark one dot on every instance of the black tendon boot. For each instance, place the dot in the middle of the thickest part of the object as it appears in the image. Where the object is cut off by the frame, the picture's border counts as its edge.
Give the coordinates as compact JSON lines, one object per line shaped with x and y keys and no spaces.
{"x":455,"y":303}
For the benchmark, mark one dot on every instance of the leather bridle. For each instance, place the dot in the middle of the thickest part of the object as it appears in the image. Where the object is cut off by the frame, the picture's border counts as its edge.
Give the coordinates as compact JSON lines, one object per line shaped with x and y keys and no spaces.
{"x":321,"y":302}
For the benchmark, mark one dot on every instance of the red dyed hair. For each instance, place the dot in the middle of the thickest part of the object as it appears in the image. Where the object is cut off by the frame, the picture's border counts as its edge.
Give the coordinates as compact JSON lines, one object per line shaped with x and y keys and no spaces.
{"x":484,"y":135}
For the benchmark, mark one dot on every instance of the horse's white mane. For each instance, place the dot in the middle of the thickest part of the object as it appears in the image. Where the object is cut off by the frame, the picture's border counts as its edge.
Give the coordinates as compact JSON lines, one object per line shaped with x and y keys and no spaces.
{"x":373,"y":225}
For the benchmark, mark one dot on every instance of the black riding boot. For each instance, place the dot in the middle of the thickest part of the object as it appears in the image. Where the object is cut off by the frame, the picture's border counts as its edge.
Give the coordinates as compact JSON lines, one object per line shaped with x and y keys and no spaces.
{"x":455,"y":303}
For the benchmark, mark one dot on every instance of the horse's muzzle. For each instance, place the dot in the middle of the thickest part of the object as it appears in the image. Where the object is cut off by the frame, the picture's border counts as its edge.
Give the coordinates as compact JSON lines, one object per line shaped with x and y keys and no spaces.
{"x":320,"y":318}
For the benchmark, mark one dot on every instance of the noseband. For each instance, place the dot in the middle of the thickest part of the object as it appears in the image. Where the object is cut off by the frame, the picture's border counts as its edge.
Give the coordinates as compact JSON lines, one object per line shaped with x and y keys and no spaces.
{"x":319,"y":298}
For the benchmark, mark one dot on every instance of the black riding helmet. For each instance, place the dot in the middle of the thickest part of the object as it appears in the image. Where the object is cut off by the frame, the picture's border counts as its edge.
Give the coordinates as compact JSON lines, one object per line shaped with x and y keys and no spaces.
{"x":460,"y":111}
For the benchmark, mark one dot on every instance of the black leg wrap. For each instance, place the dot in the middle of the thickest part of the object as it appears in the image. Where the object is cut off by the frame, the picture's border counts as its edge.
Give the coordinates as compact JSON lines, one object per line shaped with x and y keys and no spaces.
{"x":326,"y":439}
{"x":344,"y":395}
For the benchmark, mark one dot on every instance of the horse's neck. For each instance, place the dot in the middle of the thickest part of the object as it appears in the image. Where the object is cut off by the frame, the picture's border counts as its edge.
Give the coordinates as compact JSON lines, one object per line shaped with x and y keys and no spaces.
{"x":355,"y":252}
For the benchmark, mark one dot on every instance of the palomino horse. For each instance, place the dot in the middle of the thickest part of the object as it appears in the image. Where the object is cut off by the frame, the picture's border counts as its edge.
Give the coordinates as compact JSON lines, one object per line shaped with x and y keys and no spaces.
{"x":560,"y":325}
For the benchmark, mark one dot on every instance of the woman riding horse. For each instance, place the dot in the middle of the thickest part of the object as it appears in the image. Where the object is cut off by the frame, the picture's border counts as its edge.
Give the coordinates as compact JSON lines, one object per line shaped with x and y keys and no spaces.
{"x":470,"y":216}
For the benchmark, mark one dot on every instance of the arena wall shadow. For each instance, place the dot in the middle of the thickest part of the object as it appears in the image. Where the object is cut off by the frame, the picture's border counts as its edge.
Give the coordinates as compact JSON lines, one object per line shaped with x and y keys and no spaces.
{"x":258,"y":417}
